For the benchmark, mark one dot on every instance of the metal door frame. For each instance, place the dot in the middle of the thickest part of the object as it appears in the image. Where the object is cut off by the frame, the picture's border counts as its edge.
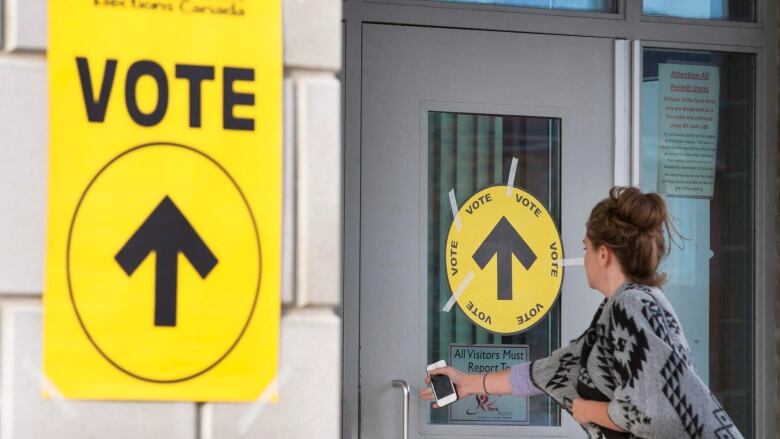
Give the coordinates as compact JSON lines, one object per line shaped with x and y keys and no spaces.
{"x":632,"y":31}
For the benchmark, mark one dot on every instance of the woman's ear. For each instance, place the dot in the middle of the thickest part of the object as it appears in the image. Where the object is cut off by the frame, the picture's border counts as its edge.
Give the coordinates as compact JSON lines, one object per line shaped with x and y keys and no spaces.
{"x":604,"y":256}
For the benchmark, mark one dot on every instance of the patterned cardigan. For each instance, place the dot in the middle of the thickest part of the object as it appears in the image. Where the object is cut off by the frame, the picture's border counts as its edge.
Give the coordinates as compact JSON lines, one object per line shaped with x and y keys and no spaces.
{"x":634,"y":355}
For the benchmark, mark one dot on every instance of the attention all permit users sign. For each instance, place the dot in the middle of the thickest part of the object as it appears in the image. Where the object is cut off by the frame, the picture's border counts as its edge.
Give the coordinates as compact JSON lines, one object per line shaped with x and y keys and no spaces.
{"x":163,"y":246}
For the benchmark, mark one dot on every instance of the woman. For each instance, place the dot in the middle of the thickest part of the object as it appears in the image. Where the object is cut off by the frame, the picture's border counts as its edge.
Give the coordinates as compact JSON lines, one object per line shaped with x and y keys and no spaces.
{"x":630,"y":374}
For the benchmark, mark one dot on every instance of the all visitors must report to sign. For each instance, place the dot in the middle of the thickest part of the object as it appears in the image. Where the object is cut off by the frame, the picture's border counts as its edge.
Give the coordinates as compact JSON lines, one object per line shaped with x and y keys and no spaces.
{"x":489,"y":409}
{"x":688,"y":129}
{"x":163,"y":251}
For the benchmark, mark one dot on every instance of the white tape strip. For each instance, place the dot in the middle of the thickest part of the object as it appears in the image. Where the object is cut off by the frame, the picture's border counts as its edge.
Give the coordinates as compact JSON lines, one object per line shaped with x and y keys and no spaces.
{"x":510,"y":183}
{"x":569,"y":262}
{"x":458,"y":291}
{"x":250,"y":416}
{"x":454,"y":205}
{"x":60,"y":403}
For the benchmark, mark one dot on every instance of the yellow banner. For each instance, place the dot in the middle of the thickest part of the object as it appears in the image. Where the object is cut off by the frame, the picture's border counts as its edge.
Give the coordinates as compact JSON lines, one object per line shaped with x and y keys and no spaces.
{"x":163,"y":247}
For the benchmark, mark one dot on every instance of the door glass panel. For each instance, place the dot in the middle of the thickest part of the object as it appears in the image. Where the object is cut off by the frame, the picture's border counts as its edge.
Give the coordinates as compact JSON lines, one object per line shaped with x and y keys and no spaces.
{"x":735,"y":10}
{"x":467,"y":153}
{"x":698,"y":151}
{"x":574,"y":5}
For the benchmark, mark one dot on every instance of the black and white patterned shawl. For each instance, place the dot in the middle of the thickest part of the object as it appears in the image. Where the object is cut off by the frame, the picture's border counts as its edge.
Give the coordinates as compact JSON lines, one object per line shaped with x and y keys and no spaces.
{"x":634,"y":355}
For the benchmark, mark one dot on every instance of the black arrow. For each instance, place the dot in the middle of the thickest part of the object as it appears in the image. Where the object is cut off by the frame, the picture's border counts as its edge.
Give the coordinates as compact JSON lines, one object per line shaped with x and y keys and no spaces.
{"x":166,"y":232}
{"x":504,"y":241}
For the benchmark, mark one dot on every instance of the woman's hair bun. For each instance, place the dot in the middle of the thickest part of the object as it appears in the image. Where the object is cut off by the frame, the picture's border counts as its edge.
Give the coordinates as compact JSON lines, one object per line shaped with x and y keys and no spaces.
{"x":646,"y":212}
{"x":635,"y":226}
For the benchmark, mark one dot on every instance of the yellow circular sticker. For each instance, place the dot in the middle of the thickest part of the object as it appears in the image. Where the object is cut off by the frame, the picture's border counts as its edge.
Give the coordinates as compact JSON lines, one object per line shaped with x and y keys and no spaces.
{"x":503,"y":258}
{"x":163,"y":271}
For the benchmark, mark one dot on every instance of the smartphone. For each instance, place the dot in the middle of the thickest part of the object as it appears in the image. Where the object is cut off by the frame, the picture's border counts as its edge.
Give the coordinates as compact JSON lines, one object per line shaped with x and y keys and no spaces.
{"x":443,"y":390}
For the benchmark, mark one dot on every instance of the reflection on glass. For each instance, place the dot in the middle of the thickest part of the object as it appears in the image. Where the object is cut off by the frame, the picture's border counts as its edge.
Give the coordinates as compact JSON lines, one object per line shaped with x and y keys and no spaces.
{"x":736,"y":10}
{"x":574,"y":5}
{"x":466,"y":153}
{"x":698,"y":151}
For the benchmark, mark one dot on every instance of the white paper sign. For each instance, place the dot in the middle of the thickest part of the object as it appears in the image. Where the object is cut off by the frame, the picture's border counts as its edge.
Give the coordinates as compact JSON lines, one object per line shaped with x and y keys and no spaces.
{"x":493,"y":409}
{"x":688,"y":129}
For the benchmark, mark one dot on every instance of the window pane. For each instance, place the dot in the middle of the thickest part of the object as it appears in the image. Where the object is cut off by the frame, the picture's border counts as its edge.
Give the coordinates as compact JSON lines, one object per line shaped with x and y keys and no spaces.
{"x":575,"y":5}
{"x":736,"y":10}
{"x":467,"y":153}
{"x":698,"y":150}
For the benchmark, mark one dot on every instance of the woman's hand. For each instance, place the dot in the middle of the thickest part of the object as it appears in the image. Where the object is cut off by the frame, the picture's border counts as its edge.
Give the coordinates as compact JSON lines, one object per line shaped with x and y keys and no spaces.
{"x":582,"y":410}
{"x":465,"y":384}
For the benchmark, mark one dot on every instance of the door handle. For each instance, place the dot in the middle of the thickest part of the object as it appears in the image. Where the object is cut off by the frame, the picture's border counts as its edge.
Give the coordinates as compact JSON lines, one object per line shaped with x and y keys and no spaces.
{"x":405,"y":387}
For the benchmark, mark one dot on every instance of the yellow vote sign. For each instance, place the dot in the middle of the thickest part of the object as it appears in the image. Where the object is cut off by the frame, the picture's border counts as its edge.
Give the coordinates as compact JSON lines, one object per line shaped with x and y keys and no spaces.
{"x":163,"y":246}
{"x":503,"y":259}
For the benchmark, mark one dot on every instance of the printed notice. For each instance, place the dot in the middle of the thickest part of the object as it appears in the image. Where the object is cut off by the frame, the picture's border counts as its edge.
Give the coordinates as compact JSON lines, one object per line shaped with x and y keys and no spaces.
{"x":489,"y":409}
{"x":688,"y":129}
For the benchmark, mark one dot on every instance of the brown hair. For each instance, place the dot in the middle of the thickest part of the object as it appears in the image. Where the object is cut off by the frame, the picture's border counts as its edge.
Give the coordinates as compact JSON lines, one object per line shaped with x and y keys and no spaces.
{"x":634,"y":226}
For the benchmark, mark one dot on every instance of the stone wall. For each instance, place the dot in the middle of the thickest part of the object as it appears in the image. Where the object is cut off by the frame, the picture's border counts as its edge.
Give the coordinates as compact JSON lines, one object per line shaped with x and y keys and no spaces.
{"x":310,"y":327}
